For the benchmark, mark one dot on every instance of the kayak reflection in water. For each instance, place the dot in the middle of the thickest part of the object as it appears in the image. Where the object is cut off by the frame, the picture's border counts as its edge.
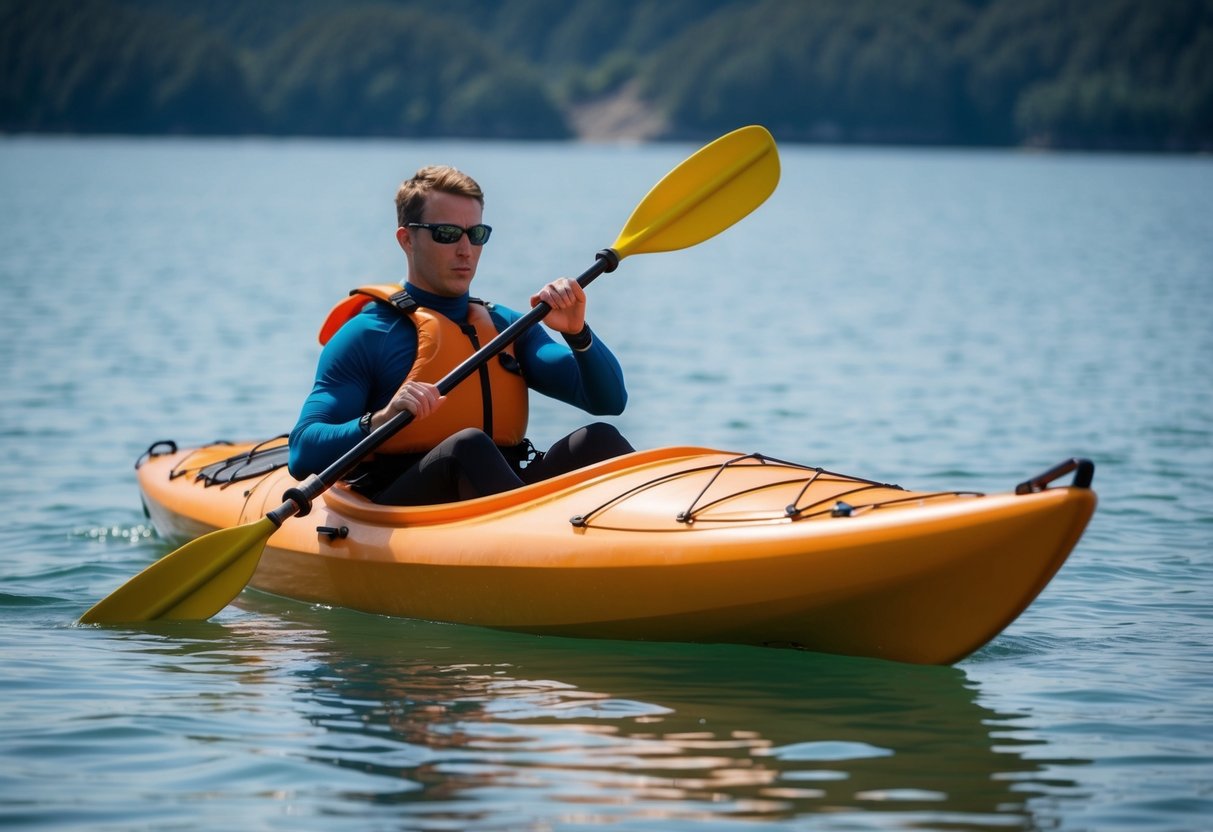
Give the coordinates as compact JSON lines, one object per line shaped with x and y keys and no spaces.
{"x":471,"y":442}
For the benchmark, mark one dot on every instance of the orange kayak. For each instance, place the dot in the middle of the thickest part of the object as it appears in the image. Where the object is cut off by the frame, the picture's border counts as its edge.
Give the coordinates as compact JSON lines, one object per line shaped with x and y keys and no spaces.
{"x":671,"y":544}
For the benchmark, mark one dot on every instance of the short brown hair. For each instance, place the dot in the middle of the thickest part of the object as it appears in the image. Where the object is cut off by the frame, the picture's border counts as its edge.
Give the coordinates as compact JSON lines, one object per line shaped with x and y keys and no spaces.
{"x":412,"y":193}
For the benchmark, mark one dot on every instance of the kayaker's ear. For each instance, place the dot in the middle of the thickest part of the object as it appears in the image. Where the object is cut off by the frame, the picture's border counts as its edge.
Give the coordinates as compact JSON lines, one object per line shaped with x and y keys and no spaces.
{"x":404,"y":239}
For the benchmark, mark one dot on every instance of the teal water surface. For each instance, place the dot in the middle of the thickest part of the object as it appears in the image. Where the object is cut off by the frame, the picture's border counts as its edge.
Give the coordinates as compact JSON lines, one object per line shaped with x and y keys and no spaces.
{"x":940,"y":319}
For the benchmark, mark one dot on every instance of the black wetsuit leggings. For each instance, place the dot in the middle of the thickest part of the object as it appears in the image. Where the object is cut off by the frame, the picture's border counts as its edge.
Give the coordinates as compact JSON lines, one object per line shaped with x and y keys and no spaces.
{"x":467,"y":464}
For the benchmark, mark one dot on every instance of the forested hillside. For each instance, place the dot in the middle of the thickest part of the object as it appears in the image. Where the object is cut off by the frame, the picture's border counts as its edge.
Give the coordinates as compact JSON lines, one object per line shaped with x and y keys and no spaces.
{"x":1119,"y":74}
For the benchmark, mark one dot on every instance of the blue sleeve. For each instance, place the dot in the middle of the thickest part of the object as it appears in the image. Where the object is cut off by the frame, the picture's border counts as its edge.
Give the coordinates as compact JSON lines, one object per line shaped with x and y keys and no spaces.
{"x":359,"y":370}
{"x":590,"y":379}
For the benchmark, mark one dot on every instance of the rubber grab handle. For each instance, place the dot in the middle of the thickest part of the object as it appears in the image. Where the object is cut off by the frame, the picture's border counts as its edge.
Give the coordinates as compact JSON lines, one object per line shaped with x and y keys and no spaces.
{"x":1084,"y":472}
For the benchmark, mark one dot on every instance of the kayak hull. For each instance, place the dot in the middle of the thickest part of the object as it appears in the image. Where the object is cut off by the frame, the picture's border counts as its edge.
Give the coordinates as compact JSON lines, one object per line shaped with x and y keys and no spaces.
{"x":676,"y":544}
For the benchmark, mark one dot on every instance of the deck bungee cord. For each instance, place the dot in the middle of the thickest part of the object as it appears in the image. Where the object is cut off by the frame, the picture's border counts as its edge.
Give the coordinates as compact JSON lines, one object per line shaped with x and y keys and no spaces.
{"x":791,"y":511}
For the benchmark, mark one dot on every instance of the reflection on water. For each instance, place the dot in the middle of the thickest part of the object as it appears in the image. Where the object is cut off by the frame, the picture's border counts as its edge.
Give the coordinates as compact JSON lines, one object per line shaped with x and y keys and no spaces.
{"x":457,"y":727}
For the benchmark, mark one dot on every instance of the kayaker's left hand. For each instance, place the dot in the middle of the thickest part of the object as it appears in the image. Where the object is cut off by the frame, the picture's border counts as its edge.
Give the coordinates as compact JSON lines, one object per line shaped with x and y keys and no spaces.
{"x":567,"y":299}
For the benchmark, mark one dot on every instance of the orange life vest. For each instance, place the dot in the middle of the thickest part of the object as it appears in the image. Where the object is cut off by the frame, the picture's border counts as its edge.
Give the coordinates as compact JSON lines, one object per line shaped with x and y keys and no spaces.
{"x":495,"y":403}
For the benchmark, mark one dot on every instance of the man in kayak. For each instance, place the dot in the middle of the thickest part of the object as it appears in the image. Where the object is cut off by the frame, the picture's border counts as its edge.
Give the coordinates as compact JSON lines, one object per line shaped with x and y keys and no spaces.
{"x":471,"y":442}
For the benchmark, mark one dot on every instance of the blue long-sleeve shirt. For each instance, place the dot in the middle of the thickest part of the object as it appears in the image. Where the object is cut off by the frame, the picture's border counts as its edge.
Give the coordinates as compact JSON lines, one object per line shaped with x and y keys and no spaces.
{"x":365,"y":362}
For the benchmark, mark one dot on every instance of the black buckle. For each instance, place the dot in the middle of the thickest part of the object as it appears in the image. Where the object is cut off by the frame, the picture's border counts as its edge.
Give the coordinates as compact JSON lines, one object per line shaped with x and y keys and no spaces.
{"x":402,"y":301}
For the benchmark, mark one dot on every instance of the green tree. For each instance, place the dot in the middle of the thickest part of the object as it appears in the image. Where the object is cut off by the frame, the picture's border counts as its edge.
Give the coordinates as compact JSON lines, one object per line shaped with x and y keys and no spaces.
{"x":400,"y":72}
{"x":829,"y":70}
{"x":96,"y":66}
{"x":1136,"y":76}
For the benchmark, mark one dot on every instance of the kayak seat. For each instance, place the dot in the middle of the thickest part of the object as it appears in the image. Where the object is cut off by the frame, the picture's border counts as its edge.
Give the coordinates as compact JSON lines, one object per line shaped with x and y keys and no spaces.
{"x":353,"y":504}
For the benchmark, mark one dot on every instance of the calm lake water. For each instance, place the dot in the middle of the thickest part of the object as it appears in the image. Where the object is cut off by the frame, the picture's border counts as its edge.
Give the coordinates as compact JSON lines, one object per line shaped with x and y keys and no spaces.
{"x":940,"y":319}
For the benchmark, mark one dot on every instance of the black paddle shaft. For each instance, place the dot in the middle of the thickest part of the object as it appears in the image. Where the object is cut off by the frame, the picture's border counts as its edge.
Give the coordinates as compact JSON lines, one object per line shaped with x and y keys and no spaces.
{"x":298,"y":500}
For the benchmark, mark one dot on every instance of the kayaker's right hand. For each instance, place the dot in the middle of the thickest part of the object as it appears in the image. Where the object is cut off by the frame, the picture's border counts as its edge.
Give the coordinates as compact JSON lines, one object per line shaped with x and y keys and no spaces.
{"x":417,"y":397}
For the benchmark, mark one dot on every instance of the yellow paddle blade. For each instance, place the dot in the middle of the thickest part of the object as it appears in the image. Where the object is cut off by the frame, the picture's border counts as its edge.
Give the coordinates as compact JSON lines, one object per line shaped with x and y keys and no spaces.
{"x":192,"y":583}
{"x":712,"y":189}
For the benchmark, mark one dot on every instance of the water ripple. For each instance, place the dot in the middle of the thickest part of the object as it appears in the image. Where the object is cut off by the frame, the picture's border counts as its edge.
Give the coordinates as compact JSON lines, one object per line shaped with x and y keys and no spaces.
{"x":949,"y":320}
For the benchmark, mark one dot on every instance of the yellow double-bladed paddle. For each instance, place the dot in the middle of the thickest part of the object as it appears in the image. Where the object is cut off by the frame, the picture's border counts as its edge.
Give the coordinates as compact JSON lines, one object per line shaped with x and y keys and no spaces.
{"x":708,"y":192}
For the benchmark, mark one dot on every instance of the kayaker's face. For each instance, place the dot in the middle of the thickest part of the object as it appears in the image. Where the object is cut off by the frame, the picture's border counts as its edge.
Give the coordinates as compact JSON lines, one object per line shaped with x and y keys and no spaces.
{"x":445,"y":269}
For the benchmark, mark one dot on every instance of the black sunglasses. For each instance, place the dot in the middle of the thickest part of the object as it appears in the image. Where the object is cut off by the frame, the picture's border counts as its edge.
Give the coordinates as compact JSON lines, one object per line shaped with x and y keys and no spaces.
{"x":446,"y":233}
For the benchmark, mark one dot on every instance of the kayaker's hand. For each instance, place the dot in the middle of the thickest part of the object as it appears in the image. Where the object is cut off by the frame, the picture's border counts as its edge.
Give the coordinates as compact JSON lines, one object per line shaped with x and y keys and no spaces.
{"x":567,"y":299}
{"x":417,"y":397}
